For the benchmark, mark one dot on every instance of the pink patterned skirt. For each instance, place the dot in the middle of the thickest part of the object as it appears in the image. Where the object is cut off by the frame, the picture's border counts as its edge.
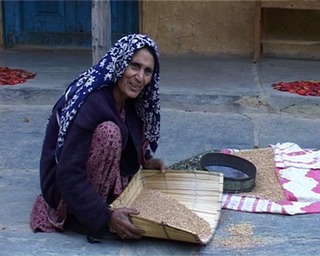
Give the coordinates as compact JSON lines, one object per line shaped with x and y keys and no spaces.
{"x":103,"y":171}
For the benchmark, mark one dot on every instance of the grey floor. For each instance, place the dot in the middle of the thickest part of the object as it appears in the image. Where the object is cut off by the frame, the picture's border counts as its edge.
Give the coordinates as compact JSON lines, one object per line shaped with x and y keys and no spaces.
{"x":207,"y":103}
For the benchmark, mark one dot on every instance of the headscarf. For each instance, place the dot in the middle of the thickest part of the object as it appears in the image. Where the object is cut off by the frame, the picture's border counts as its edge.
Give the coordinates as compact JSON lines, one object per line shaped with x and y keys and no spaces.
{"x":105,"y":73}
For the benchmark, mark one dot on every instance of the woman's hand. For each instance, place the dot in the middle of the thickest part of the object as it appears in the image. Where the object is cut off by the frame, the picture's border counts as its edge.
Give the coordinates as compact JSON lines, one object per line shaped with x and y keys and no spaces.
{"x":155,"y":164}
{"x":120,"y":223}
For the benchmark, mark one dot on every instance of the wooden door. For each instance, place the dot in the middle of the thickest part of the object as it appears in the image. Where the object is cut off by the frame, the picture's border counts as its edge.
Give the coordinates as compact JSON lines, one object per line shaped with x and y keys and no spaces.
{"x":62,"y":22}
{"x":124,"y":18}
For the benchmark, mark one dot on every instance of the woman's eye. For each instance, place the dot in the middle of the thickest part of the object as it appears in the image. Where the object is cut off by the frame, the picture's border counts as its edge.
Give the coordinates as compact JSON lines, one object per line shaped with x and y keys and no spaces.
{"x":148,"y":71}
{"x":137,"y":67}
{"x":134,"y":65}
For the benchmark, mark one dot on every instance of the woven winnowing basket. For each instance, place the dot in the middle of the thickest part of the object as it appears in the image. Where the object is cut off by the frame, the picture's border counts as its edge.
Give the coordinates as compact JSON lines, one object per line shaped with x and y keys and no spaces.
{"x":200,"y":191}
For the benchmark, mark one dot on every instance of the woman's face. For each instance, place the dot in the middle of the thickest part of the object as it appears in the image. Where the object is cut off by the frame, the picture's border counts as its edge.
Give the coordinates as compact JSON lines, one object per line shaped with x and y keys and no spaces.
{"x":137,"y":75}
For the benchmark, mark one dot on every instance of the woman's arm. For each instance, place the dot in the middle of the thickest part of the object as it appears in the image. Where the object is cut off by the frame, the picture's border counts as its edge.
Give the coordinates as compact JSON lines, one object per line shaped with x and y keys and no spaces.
{"x":84,"y":202}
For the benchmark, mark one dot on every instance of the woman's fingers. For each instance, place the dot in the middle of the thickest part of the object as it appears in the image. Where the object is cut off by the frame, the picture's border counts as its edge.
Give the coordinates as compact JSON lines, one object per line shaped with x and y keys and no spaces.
{"x":131,"y":235}
{"x":155,"y":163}
{"x":121,"y":224}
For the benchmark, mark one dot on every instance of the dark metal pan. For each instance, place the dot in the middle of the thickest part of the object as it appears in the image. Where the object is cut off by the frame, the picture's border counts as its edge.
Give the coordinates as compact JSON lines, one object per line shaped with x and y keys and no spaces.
{"x":239,"y":174}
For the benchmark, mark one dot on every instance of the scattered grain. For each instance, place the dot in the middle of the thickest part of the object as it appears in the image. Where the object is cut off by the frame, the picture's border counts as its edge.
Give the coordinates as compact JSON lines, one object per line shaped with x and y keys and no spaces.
{"x":267,"y":184}
{"x":241,"y":236}
{"x":162,"y":208}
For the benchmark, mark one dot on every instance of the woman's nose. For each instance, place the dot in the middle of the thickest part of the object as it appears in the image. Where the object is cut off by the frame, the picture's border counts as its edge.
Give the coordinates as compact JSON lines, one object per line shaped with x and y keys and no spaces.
{"x":140,"y":75}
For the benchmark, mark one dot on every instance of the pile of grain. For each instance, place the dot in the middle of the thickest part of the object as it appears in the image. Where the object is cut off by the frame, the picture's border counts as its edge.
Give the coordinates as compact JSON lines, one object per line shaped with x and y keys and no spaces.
{"x":162,"y":208}
{"x":241,"y":236}
{"x":267,"y":184}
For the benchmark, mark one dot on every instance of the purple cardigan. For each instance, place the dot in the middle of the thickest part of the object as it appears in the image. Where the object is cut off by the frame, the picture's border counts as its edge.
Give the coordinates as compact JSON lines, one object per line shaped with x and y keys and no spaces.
{"x":67,"y":178}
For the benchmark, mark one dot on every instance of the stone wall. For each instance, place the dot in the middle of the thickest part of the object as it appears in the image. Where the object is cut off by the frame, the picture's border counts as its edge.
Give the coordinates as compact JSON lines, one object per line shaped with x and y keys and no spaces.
{"x":225,"y":28}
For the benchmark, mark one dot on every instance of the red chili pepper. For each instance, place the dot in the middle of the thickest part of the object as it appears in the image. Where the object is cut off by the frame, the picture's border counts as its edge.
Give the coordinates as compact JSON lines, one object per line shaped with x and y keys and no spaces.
{"x":14,"y":76}
{"x":305,"y":88}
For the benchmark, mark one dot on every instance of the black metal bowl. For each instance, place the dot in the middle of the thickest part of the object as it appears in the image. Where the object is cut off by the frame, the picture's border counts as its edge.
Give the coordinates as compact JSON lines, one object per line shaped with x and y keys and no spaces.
{"x":239,"y":174}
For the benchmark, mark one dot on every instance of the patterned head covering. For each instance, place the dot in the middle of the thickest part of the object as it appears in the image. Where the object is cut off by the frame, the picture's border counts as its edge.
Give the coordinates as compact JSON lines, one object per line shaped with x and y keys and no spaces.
{"x":105,"y":73}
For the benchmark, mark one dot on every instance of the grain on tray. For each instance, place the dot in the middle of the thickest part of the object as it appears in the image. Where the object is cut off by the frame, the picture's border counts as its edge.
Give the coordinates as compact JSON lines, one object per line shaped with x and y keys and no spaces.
{"x":267,"y":184}
{"x":162,"y":208}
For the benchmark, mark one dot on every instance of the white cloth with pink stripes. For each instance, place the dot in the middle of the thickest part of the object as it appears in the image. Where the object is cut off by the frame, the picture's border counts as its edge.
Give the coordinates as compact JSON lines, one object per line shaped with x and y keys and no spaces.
{"x":298,"y":172}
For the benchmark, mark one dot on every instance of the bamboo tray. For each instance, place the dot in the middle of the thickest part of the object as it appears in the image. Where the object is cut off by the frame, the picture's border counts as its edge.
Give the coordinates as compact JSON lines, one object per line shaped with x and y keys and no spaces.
{"x":200,"y":191}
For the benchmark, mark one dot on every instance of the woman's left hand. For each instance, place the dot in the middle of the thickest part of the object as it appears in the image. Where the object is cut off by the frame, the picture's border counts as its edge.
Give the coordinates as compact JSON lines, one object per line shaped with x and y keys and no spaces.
{"x":121,"y":224}
{"x":155,"y":164}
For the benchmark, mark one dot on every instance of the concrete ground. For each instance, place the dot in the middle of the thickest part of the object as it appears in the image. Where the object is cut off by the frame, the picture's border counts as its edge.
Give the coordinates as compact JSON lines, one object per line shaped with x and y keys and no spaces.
{"x":207,"y":103}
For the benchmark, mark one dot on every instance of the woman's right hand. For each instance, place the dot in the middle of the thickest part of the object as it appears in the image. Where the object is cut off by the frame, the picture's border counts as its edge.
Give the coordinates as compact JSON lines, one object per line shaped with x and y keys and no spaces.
{"x":155,"y":163}
{"x":120,"y":223}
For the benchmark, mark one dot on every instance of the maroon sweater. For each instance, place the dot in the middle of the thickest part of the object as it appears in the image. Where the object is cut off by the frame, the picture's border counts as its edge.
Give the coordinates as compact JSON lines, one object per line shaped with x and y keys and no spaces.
{"x":67,"y":179}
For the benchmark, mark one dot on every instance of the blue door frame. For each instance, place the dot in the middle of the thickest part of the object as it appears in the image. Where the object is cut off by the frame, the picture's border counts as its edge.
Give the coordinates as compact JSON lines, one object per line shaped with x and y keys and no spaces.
{"x":62,"y":22}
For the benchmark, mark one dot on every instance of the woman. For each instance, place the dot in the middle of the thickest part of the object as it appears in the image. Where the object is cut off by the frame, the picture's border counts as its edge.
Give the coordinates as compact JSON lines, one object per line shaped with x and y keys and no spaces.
{"x":99,"y":134}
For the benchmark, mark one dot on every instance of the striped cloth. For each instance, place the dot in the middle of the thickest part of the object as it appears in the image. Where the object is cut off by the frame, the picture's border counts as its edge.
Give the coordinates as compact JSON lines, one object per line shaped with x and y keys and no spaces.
{"x":298,"y":172}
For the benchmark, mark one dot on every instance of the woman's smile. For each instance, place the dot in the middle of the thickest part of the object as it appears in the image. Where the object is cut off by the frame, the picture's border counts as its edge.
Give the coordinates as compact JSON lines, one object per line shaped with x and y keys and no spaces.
{"x":134,"y":86}
{"x":137,"y":75}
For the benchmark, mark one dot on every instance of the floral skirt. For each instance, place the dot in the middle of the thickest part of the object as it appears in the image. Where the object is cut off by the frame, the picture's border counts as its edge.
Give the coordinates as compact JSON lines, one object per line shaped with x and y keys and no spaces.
{"x":103,"y":172}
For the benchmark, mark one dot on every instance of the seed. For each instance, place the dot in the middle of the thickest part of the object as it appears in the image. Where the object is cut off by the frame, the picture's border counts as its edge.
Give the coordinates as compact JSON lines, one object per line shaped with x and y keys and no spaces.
{"x":267,"y":184}
{"x":162,"y":208}
{"x":241,"y":236}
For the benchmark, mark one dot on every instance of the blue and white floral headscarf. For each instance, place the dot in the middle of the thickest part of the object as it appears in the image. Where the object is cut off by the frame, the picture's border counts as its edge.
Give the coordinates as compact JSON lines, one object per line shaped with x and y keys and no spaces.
{"x":105,"y":73}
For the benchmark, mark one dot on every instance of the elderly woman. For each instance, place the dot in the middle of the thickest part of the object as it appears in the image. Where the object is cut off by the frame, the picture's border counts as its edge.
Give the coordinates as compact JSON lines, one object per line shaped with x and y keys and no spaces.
{"x":104,"y":127}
